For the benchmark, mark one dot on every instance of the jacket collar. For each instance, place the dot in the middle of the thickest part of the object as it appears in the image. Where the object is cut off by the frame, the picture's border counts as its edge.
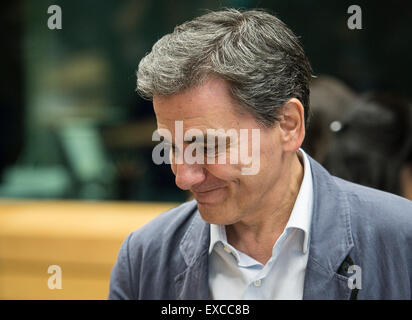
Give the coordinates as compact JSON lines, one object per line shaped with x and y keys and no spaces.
{"x":330,"y":243}
{"x":193,"y":282}
{"x":331,"y":239}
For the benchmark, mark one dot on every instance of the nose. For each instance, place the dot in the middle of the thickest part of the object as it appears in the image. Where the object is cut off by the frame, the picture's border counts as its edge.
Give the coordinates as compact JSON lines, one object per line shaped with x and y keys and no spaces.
{"x":188,"y":175}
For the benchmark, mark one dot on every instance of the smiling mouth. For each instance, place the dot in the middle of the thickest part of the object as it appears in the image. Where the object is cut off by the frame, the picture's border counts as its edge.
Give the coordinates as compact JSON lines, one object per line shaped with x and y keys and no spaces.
{"x":206,"y":191}
{"x":209,"y":196}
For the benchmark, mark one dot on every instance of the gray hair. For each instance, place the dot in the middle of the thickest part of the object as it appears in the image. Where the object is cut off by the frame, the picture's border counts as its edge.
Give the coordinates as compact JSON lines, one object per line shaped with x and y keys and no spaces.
{"x":254,"y":51}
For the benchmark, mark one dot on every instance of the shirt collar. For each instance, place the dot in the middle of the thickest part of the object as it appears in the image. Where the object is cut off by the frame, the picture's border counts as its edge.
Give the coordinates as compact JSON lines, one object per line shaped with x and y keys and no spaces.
{"x":300,"y":217}
{"x":217,"y":234}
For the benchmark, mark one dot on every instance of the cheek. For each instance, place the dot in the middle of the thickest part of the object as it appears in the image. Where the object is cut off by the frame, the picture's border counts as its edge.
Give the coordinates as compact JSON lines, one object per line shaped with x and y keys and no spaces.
{"x":225,"y":172}
{"x":242,"y":188}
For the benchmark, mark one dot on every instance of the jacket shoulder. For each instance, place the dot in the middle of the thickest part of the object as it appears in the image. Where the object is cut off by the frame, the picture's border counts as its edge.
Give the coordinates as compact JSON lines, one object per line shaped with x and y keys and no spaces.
{"x":379,"y":219}
{"x":146,"y":252}
{"x":379,"y":206}
{"x":167,"y":224}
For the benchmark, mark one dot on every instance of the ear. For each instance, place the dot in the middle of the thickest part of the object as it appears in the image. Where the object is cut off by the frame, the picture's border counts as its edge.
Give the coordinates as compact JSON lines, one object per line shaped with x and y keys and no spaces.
{"x":292,"y":125}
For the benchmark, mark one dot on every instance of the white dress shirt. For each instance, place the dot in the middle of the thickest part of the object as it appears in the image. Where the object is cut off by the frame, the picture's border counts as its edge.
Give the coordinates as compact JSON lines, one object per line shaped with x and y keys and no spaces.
{"x":235,"y":275}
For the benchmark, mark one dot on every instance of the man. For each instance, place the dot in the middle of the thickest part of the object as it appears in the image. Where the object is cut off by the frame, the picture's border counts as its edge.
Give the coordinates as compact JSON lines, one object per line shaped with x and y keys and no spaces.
{"x":289,"y":231}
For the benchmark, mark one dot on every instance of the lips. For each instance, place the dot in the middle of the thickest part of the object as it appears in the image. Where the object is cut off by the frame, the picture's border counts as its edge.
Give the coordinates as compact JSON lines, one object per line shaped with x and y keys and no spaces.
{"x":210,"y":195}
{"x":207,"y":190}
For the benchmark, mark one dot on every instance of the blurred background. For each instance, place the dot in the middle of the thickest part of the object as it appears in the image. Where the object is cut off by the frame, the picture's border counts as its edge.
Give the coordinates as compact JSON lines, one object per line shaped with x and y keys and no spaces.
{"x":74,"y":133}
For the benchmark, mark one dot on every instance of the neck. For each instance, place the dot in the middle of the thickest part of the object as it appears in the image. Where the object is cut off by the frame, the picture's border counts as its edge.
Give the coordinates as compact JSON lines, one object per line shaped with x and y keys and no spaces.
{"x":256,"y":234}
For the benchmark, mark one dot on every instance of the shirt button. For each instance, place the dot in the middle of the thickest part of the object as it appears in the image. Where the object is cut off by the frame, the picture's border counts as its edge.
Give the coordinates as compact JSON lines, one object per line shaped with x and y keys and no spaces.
{"x":227,"y":249}
{"x":258,"y":283}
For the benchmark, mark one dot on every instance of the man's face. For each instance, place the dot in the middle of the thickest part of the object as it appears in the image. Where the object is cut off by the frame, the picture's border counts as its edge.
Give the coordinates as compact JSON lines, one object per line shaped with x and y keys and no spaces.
{"x":224,"y":194}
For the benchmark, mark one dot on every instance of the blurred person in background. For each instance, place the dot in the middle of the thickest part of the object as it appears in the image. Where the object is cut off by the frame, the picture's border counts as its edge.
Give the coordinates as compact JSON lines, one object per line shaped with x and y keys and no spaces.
{"x":330,"y":100}
{"x":372,"y":144}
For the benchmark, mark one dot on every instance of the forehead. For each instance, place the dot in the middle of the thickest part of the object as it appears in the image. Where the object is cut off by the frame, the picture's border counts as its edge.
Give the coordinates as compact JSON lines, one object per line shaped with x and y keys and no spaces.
{"x":209,"y":105}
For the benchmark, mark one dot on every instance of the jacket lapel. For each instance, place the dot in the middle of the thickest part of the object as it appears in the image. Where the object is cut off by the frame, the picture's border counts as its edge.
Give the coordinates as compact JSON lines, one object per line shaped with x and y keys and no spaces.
{"x":331,"y":239}
{"x":193,"y":283}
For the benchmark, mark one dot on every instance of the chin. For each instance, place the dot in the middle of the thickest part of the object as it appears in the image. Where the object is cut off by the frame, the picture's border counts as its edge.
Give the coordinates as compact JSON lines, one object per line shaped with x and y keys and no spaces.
{"x":215,"y":213}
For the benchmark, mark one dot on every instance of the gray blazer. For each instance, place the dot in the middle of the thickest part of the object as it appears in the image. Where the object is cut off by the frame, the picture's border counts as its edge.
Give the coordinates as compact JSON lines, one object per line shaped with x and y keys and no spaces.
{"x":351,"y":224}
